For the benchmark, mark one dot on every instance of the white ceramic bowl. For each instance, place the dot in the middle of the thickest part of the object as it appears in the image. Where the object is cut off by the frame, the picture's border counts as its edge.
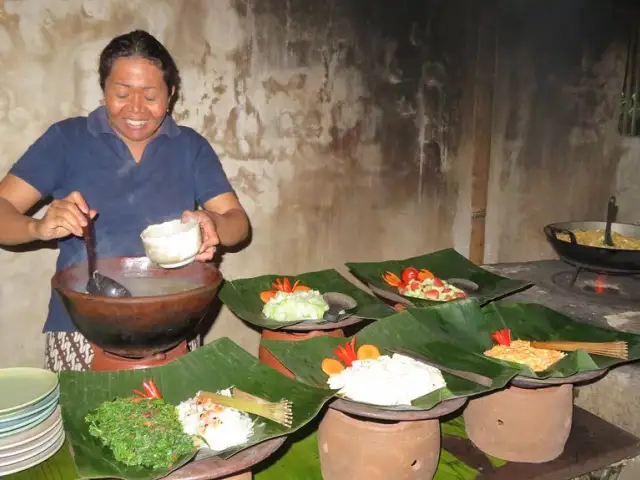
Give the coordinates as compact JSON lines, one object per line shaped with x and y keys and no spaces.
{"x":172,"y":244}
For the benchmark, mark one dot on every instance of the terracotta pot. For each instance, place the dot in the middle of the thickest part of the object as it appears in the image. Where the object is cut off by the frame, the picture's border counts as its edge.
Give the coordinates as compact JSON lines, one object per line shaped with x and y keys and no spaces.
{"x":268,"y":358}
{"x":521,"y":425}
{"x":108,"y":362}
{"x":352,"y":448}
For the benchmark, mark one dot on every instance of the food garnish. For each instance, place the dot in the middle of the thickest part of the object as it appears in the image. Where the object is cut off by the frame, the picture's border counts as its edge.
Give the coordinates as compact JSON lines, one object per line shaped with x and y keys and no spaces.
{"x":368,"y":352}
{"x":293,"y":302}
{"x":502,"y":337}
{"x":282,"y":285}
{"x":423,"y":284}
{"x":141,"y":431}
{"x":150,"y":390}
{"x":331,"y":366}
{"x":279,"y":412}
{"x":347,"y":354}
{"x":521,"y":351}
{"x":366,"y":376}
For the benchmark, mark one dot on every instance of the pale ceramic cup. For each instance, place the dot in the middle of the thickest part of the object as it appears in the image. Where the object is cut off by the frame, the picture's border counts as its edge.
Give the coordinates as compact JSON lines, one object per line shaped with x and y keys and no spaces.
{"x":172,"y":244}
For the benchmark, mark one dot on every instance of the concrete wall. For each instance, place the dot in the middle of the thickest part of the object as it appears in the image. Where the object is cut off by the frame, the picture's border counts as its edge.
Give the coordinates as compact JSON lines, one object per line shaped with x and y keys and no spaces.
{"x":346,"y":127}
{"x":556,"y":152}
{"x":342,"y":132}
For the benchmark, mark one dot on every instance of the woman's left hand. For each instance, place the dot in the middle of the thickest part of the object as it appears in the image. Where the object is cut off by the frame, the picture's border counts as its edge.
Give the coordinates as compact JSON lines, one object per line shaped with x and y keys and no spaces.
{"x":210,"y":237}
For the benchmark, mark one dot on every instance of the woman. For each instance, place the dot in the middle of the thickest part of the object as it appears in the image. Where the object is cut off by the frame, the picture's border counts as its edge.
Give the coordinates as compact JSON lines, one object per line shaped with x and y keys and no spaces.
{"x":127,"y":164}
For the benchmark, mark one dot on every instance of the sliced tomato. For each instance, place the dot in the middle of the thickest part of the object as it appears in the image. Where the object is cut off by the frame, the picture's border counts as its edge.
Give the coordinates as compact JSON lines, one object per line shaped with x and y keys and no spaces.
{"x":460,"y":294}
{"x":437,"y":282}
{"x":432,"y":294}
{"x":446,"y":290}
{"x":409,"y":274}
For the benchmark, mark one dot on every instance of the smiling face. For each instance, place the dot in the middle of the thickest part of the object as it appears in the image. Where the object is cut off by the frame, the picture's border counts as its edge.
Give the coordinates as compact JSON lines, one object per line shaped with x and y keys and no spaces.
{"x":136,"y":98}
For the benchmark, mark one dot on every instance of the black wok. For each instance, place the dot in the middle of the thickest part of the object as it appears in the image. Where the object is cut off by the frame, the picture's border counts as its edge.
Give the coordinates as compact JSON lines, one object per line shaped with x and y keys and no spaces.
{"x":606,"y":259}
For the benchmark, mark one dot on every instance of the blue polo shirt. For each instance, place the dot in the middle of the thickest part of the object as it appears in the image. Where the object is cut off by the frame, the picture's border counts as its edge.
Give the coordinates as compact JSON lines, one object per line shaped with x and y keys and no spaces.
{"x":178,"y":170}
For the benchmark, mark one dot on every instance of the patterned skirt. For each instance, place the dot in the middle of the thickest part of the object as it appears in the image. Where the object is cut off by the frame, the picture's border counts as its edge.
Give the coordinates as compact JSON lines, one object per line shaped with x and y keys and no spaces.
{"x":72,"y":351}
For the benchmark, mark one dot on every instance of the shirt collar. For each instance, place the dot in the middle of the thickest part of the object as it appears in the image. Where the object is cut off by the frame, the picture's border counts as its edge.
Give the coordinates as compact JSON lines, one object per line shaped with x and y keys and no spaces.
{"x":97,"y":123}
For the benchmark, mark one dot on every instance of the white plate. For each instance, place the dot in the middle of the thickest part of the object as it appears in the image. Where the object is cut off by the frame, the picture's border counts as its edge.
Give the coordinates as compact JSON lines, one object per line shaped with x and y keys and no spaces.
{"x":29,"y":422}
{"x":26,"y":455}
{"x":30,"y":412}
{"x":22,"y":387}
{"x":27,"y":447}
{"x":33,"y":461}
{"x":20,"y":438}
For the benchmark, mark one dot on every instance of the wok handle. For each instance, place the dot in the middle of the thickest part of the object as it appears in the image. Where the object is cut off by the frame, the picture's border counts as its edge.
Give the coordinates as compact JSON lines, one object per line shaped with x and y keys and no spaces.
{"x":611,"y":214}
{"x":552,"y":232}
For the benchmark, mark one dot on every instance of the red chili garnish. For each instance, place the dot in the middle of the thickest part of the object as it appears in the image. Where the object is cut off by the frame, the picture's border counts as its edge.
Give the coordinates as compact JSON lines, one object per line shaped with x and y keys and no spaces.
{"x":409,"y":273}
{"x":150,"y":390}
{"x":154,"y":387}
{"x":347,"y":352}
{"x":502,"y":337}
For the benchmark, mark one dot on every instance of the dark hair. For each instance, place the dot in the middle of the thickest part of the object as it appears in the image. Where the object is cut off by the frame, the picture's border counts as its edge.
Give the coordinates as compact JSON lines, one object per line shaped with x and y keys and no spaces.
{"x":141,"y":44}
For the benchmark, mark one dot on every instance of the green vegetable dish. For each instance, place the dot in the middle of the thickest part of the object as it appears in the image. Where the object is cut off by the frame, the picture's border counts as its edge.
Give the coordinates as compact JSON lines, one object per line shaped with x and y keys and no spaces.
{"x":141,"y":432}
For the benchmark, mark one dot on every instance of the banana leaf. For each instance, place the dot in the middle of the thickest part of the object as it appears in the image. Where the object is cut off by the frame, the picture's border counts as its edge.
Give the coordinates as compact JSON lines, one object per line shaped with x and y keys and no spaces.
{"x":400,"y":331}
{"x":217,"y":365}
{"x":460,"y":323}
{"x":243,"y":296}
{"x":445,"y":264}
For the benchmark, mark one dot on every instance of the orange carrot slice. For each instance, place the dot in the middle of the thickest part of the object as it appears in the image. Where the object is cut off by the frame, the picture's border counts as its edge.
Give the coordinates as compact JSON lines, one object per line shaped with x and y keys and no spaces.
{"x":368,"y":352}
{"x":267,"y":295}
{"x":331,"y":366}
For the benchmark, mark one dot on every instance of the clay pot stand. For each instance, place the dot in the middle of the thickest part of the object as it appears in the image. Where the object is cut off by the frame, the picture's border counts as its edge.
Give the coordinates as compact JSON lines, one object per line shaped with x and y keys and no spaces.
{"x":527,"y":422}
{"x":361,"y":441}
{"x":104,"y":361}
{"x":237,"y":467}
{"x":298,"y":332}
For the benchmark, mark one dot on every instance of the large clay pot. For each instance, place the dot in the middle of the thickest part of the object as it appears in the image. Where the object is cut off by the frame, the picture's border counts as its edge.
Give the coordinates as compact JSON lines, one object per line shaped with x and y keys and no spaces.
{"x":521,"y":425}
{"x":352,"y":448}
{"x":268,"y":358}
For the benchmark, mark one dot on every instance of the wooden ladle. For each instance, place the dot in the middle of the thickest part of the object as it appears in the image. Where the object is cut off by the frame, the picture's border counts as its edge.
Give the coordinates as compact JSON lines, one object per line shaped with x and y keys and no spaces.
{"x":99,"y":284}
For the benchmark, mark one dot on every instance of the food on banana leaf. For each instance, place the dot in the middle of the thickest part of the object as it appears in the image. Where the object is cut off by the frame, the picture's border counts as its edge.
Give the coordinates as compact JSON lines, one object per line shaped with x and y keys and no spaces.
{"x":423,"y":284}
{"x":141,"y":431}
{"x":145,"y":431}
{"x":218,"y":426}
{"x":289,"y":303}
{"x":369,"y":377}
{"x":521,"y":351}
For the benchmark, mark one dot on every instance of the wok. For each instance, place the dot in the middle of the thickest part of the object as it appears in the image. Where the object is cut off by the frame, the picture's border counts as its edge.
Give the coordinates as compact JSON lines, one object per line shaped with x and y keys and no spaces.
{"x":597,"y":258}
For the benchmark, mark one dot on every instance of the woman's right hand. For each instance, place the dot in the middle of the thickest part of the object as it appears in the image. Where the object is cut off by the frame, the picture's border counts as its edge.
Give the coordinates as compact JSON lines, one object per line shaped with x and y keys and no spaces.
{"x":63,"y":218}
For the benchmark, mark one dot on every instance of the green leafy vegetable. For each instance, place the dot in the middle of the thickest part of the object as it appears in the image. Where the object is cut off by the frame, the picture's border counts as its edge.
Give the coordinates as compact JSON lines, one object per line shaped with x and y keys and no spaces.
{"x":140,"y":432}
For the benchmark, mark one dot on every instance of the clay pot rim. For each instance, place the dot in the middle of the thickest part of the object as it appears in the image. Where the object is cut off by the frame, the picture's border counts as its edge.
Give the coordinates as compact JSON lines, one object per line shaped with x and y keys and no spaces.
{"x":384,"y":427}
{"x":215,"y":278}
{"x":308,"y":327}
{"x":372,"y":412}
{"x":522,"y":381}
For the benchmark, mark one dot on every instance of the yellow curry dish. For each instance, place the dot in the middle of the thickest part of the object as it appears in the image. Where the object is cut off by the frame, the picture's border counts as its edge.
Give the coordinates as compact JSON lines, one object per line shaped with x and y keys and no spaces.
{"x":595,"y":238}
{"x":520,"y":351}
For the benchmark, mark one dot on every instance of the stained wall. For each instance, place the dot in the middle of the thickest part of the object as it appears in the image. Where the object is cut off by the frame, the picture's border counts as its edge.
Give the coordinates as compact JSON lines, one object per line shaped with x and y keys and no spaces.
{"x":343,"y":132}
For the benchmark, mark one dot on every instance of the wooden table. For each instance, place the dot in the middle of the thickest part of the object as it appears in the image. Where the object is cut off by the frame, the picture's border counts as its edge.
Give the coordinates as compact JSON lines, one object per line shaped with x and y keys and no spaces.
{"x":593,"y":445}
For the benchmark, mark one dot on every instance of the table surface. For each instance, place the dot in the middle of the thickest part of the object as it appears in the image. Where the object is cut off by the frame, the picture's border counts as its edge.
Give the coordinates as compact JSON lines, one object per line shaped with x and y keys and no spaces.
{"x":593,"y":444}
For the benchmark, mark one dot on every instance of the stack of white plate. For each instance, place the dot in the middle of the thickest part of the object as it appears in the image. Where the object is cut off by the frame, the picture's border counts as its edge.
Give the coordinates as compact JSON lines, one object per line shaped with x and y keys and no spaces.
{"x":31,"y":427}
